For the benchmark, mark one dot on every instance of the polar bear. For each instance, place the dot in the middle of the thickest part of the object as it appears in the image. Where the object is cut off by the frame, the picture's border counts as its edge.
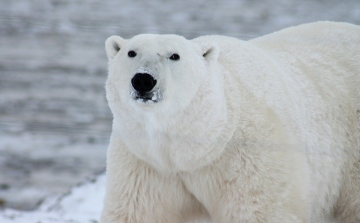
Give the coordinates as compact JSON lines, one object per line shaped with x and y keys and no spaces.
{"x":225,"y":130}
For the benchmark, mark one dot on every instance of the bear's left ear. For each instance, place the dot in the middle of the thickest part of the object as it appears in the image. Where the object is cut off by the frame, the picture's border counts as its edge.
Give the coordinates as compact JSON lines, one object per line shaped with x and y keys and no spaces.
{"x":210,"y":50}
{"x":113,"y":45}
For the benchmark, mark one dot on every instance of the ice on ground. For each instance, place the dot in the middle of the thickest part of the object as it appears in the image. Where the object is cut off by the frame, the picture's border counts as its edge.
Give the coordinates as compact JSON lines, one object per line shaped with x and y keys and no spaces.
{"x":82,"y":204}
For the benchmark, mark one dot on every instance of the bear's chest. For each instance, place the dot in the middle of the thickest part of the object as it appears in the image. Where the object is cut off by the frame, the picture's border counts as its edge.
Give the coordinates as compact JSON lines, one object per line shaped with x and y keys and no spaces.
{"x":182,"y":147}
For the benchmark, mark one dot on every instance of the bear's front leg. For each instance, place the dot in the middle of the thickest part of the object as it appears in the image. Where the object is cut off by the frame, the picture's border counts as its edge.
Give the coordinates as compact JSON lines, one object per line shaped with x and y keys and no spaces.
{"x":136,"y":193}
{"x":264,"y":187}
{"x":254,"y":186}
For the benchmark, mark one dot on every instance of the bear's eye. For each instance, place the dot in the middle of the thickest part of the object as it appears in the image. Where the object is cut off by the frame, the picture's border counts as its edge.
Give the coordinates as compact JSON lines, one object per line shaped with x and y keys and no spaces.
{"x":175,"y":57}
{"x":131,"y":53}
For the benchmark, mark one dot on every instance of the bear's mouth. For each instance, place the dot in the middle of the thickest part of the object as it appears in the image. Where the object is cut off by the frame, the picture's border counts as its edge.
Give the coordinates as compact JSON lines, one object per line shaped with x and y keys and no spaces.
{"x":148,"y":97}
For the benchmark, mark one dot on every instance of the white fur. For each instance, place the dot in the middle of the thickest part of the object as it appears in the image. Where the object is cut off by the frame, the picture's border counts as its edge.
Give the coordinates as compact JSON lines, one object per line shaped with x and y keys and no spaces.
{"x":266,"y":130}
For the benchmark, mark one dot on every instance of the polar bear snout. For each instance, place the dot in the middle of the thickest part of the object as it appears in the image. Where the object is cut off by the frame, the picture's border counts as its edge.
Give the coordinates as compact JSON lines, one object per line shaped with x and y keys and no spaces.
{"x":144,"y":88}
{"x":143,"y":83}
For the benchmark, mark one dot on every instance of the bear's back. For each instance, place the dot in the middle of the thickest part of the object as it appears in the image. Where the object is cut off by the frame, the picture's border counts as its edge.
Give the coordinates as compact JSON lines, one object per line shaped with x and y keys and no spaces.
{"x":320,"y":67}
{"x":308,"y":74}
{"x":326,"y":52}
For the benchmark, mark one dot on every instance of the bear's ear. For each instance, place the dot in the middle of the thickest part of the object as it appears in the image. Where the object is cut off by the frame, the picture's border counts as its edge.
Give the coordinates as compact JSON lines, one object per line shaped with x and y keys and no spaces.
{"x":210,"y":50}
{"x":113,"y":45}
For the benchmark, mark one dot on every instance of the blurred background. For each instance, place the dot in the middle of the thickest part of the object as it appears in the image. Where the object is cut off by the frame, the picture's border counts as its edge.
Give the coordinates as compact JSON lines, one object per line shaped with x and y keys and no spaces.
{"x":54,"y":120}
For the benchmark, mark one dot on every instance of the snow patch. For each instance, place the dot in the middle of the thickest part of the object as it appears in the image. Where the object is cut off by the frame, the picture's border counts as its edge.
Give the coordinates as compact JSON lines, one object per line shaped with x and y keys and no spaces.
{"x":82,"y":204}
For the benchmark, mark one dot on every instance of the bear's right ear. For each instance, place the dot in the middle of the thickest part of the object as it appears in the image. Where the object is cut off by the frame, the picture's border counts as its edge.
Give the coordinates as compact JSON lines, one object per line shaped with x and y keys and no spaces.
{"x":113,"y":45}
{"x":210,"y":50}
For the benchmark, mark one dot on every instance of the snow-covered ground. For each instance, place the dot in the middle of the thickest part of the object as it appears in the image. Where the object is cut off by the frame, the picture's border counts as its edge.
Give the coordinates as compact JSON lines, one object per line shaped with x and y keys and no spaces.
{"x":80,"y":205}
{"x":54,"y":120}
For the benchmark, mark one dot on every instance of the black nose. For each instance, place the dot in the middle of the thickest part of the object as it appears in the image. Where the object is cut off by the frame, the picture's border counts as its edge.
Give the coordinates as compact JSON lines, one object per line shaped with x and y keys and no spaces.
{"x":143,"y":82}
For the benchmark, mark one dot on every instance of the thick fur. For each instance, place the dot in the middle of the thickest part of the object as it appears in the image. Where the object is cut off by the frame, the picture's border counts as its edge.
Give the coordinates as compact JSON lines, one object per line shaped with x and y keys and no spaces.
{"x":266,"y":130}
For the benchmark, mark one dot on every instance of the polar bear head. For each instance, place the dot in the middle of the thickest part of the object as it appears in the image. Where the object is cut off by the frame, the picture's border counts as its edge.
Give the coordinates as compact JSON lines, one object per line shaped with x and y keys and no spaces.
{"x":157,"y":71}
{"x":165,"y":96}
